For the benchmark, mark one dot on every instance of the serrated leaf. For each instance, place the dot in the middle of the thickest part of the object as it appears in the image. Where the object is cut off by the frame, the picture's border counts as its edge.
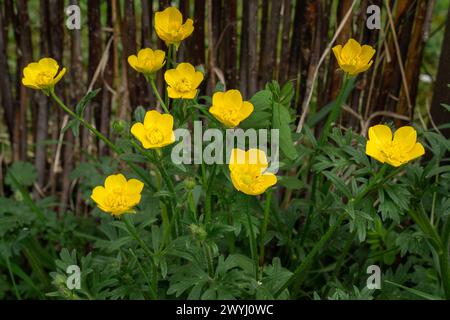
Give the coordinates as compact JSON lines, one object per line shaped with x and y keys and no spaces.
{"x":281,"y":120}
{"x":81,"y":106}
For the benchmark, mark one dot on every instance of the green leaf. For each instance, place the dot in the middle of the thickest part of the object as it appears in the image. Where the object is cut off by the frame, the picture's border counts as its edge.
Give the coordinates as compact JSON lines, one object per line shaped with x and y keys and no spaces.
{"x":437,"y":171}
{"x":262,"y":100}
{"x":74,"y":125}
{"x":446,"y":106}
{"x":257,"y":120}
{"x":416,"y":292}
{"x":281,"y":120}
{"x":139,"y":114}
{"x":287,"y":93}
{"x":81,"y":106}
{"x":291,"y":183}
{"x":23,"y":172}
{"x":338,"y":183}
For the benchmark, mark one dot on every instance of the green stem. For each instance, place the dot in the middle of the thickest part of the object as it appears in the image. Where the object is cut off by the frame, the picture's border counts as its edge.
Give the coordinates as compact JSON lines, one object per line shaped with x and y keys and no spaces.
{"x":85,"y":123}
{"x":335,"y":111}
{"x":209,"y":259}
{"x":101,"y":137}
{"x":252,"y":237}
{"x":300,"y":273}
{"x":132,"y":230}
{"x":151,"y":283}
{"x":164,"y":216}
{"x":208,"y":186}
{"x":158,"y":96}
{"x":444,"y":257}
{"x":264,"y":229}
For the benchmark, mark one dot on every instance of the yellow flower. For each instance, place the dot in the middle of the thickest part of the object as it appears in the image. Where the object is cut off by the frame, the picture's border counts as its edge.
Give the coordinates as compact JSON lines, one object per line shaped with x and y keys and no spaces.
{"x":354,"y":58}
{"x":156,"y":131}
{"x":400,"y":150}
{"x":248,"y":171}
{"x":170,"y":28}
{"x":183,"y":81}
{"x":118,"y":196}
{"x":147,"y":61}
{"x":42,"y":75}
{"x":228,"y":108}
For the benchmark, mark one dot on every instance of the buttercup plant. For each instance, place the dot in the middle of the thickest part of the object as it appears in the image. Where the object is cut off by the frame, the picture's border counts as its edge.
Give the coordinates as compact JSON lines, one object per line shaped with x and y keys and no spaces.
{"x":200,"y":230}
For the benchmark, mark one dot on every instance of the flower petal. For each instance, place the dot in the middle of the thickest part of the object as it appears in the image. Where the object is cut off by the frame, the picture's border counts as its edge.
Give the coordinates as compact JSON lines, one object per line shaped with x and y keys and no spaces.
{"x":99,"y":194}
{"x":134,"y":186}
{"x":380,"y":135}
{"x":138,"y":130}
{"x":114,"y":181}
{"x":351,"y":50}
{"x":417,"y":151}
{"x":405,"y":138}
{"x":373,"y":150}
{"x":152,"y":119}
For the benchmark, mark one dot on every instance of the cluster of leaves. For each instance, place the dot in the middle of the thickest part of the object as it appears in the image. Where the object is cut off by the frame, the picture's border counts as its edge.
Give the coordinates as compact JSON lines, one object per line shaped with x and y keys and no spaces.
{"x":216,"y":260}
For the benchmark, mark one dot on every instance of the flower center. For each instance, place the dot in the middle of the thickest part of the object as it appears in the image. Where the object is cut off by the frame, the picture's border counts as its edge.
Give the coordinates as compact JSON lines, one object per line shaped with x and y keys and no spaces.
{"x":184,"y":85}
{"x":44,"y":78}
{"x":155,"y":136}
{"x":116,"y":201}
{"x":231,"y":114}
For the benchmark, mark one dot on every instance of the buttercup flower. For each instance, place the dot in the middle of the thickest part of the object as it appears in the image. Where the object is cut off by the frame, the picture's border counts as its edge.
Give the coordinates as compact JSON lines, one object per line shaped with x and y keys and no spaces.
{"x":248,"y":171}
{"x":156,"y":131}
{"x":228,"y":108}
{"x":400,"y":150}
{"x":183,"y":81}
{"x":118,"y":196}
{"x":354,"y":58}
{"x":42,"y":75}
{"x":147,"y":61}
{"x":170,"y":28}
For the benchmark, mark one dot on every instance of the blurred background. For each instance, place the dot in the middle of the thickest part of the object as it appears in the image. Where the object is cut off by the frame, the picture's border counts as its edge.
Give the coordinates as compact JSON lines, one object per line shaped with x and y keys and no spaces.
{"x":242,"y":44}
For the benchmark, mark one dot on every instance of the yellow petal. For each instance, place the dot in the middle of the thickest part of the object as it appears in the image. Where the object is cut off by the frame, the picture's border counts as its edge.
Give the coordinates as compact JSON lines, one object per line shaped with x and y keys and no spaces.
{"x":152,"y":119}
{"x":166,"y":125}
{"x":337,"y":50}
{"x":367,"y":53}
{"x":405,"y":138}
{"x":373,"y":150}
{"x":257,"y":158}
{"x":247,"y":110}
{"x":145,"y":54}
{"x":138,"y":130}
{"x":189,"y":95}
{"x":268,"y":180}
{"x":187,"y":29}
{"x":133,"y":61}
{"x":27,"y":82}
{"x":186,"y":69}
{"x":115,"y":181}
{"x":59,"y":76}
{"x":172,"y":76}
{"x":416,"y":152}
{"x":233,"y":97}
{"x":217,"y":99}
{"x":237,"y":158}
{"x":351,"y":50}
{"x":197,"y":79}
{"x":235,"y":180}
{"x":159,"y":57}
{"x":31,"y":70}
{"x":50,"y":65}
{"x":380,"y":135}
{"x":174,"y":16}
{"x":98,"y":194}
{"x":134,"y":186}
{"x":361,"y":68}
{"x":173,"y":94}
